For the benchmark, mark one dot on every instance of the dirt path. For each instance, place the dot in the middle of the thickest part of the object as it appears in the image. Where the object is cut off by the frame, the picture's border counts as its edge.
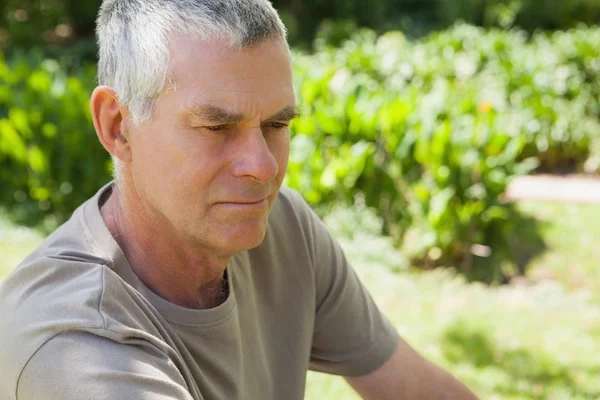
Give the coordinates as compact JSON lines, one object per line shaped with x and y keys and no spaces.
{"x":566,"y":189}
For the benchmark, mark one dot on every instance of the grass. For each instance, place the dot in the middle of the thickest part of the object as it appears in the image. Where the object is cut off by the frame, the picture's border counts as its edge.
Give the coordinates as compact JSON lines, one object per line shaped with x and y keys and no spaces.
{"x":15,"y":243}
{"x":571,"y":233}
{"x":530,"y":341}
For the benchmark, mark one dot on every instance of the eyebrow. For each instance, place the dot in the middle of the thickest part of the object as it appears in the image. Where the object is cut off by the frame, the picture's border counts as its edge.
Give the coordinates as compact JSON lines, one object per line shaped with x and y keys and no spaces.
{"x":219,"y":115}
{"x":286,"y":114}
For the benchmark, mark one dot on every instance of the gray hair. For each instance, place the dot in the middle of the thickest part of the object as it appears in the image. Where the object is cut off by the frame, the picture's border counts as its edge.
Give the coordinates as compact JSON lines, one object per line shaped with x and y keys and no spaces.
{"x":133,"y":38}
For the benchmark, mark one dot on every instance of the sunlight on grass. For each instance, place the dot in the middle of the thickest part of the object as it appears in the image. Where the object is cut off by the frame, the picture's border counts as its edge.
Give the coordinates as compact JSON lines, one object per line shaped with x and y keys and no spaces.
{"x":571,"y":234}
{"x":16,"y":243}
{"x":505,"y":343}
{"x":510,"y":342}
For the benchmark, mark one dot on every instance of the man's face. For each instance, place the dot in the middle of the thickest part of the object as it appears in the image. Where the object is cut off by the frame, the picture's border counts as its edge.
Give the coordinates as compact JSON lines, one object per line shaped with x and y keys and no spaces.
{"x":211,"y":162}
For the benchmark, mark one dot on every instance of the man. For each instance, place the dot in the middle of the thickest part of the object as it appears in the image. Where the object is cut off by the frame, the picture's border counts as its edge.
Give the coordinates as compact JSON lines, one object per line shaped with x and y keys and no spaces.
{"x":193,"y":276}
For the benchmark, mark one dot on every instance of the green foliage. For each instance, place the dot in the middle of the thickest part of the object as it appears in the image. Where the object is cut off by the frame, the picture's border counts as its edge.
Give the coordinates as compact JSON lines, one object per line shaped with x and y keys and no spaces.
{"x":419,"y":16}
{"x":431,"y":132}
{"x":26,"y":21}
{"x":50,"y":158}
{"x":30,"y":23}
{"x":542,"y":14}
{"x":16,"y":242}
{"x":56,"y":24}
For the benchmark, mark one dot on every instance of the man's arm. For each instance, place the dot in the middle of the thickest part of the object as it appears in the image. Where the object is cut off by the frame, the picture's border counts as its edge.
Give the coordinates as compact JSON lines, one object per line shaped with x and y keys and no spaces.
{"x":407,"y":375}
{"x":79,"y":365}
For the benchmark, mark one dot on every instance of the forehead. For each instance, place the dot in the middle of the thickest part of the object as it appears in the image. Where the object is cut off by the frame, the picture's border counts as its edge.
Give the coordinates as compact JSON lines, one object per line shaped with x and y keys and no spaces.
{"x":254,"y":80}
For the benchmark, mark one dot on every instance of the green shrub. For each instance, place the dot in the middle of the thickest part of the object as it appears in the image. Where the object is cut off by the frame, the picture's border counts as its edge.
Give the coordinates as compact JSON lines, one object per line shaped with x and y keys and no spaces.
{"x":431,"y":132}
{"x":526,"y":14}
{"x":50,"y":157}
{"x":28,"y":23}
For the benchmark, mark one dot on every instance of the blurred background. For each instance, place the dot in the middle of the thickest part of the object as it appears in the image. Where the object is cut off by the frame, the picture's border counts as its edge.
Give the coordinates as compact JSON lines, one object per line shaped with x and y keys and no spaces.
{"x":453,"y":147}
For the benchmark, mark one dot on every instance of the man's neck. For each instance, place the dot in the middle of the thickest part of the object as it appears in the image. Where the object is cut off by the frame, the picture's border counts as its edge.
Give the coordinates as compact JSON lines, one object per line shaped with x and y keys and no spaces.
{"x":179,"y":272}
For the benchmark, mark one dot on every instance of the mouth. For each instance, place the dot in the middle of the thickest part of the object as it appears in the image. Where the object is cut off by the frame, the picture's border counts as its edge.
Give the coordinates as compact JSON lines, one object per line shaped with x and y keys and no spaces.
{"x":244,"y":204}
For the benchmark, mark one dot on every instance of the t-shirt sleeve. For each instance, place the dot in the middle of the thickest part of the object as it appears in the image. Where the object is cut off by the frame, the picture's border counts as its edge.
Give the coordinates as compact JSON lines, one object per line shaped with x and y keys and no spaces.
{"x":80,"y":365}
{"x":351,"y":336}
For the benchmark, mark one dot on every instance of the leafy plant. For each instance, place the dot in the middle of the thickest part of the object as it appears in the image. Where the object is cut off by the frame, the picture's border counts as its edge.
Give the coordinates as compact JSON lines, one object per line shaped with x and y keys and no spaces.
{"x":431,"y":132}
{"x":50,"y":157}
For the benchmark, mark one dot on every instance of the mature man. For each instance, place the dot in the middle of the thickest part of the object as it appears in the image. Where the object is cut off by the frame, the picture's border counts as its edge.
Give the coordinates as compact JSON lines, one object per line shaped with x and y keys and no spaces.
{"x":193,"y":276}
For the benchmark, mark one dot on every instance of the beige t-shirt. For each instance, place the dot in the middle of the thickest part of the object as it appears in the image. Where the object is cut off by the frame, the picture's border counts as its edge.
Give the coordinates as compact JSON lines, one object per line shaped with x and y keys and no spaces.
{"x":76,"y":322}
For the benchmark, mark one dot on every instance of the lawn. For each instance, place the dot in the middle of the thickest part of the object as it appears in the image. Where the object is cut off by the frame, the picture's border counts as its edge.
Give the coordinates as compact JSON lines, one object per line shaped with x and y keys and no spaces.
{"x":537,"y":340}
{"x":530,"y":341}
{"x":15,"y":243}
{"x":571,"y":233}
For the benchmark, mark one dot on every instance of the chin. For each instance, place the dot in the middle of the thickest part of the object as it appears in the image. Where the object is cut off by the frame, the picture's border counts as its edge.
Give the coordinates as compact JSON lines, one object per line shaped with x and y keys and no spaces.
{"x":242,"y":238}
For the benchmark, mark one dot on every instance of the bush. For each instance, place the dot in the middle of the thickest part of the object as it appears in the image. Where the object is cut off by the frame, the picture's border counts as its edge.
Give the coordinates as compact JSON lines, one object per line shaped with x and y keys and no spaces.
{"x":530,"y":15}
{"x":50,"y":157}
{"x":430,"y":133}
{"x":57,"y":23}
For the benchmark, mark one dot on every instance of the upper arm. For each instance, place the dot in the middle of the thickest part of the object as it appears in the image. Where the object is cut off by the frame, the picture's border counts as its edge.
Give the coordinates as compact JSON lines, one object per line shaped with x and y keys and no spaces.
{"x":401,"y":375}
{"x":79,"y":365}
{"x":407,"y":375}
{"x":351,"y":336}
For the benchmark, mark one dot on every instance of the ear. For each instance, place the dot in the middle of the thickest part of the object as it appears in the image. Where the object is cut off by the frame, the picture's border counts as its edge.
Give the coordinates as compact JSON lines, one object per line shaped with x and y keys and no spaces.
{"x":110,"y":121}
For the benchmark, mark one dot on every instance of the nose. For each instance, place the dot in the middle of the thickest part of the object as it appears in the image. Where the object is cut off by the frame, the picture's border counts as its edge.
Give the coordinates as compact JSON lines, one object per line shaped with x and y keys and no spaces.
{"x":253,"y":158}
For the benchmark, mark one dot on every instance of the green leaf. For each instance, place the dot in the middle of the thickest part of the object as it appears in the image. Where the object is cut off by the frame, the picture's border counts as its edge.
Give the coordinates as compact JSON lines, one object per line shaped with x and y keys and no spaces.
{"x":49,"y":130}
{"x":19,"y":118}
{"x":329,"y":176}
{"x":40,"y":81}
{"x":440,"y":206}
{"x":11,"y":143}
{"x":37,"y":160}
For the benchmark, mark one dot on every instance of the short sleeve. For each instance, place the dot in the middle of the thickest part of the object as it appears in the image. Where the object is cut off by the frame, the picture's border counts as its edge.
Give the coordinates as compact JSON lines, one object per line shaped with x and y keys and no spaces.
{"x":80,"y":365}
{"x":351,"y":336}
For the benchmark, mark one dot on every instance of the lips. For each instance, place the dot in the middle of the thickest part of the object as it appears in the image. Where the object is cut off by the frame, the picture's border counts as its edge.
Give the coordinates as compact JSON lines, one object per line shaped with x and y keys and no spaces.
{"x":242,"y":202}
{"x":247,"y":196}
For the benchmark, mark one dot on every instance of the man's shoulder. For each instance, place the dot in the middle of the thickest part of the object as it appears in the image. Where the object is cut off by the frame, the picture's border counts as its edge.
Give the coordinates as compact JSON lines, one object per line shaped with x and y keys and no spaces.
{"x":293,"y":231}
{"x":290,"y":207}
{"x":292,"y":214}
{"x":67,"y":283}
{"x":43,"y":297}
{"x":54,"y":294}
{"x":61,"y":283}
{"x":63,"y":286}
{"x":62,"y":269}
{"x":50,"y":287}
{"x":289,"y":196}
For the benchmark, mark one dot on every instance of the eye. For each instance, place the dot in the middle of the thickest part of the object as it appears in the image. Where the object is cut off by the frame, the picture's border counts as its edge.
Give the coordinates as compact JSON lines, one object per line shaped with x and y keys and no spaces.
{"x":277,"y":125}
{"x":216,"y":128}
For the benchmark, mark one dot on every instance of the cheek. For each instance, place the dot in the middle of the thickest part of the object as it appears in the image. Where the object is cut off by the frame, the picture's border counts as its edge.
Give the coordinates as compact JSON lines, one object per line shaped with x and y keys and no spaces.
{"x":175,"y":154}
{"x":280,"y":149}
{"x":163,"y":169}
{"x":152,"y":148}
